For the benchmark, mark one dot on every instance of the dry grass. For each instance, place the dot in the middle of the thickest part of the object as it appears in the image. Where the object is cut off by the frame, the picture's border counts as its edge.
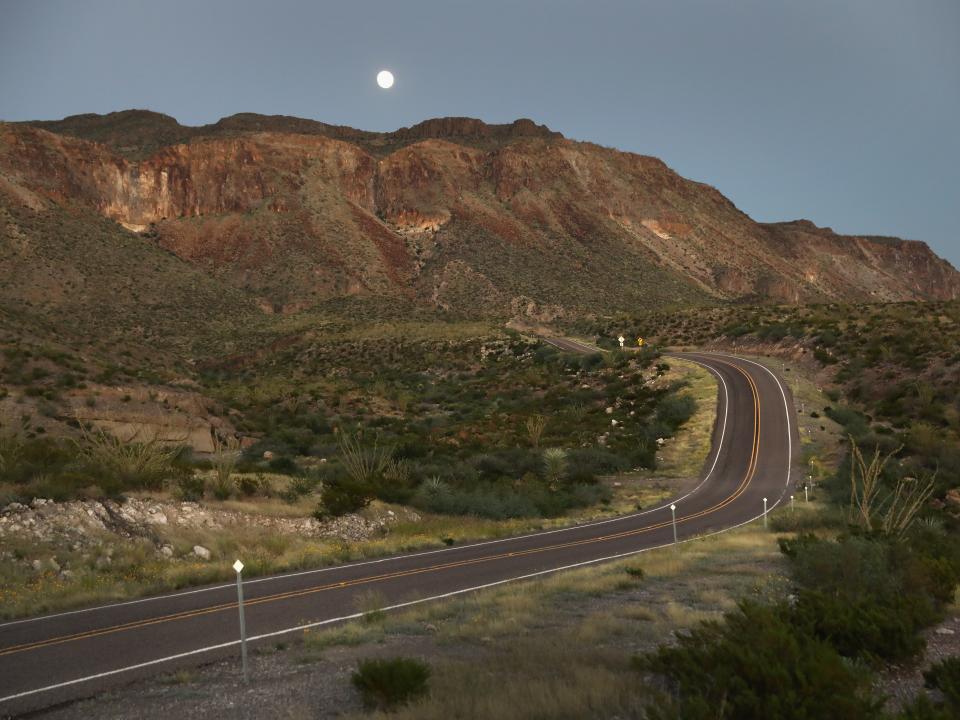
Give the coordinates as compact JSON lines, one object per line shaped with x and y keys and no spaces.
{"x":685,"y":454}
{"x":560,"y":646}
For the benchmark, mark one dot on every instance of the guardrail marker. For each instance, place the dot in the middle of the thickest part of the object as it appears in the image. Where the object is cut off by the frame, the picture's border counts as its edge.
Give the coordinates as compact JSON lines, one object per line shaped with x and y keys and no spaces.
{"x":673,"y":516}
{"x":764,"y":512}
{"x":238,"y":566}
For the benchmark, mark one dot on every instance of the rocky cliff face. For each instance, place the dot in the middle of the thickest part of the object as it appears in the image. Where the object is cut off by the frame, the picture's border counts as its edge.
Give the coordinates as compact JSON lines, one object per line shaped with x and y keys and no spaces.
{"x":469,"y":216}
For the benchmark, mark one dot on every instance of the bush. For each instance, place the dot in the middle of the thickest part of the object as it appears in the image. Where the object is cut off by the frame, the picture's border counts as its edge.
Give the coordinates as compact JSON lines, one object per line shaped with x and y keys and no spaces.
{"x":191,"y":488}
{"x":756,"y":665}
{"x":341,"y":496}
{"x":388,"y":683}
{"x":675,"y":410}
{"x":945,"y":677}
{"x":867,"y":629}
{"x":246,"y":485}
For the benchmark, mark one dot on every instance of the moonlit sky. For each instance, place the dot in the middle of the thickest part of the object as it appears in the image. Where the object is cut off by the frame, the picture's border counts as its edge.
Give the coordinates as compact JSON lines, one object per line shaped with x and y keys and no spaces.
{"x":844,"y":112}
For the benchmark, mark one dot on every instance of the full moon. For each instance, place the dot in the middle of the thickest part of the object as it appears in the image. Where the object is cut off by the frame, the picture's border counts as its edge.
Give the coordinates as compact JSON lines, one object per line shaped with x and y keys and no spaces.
{"x":385,"y":79}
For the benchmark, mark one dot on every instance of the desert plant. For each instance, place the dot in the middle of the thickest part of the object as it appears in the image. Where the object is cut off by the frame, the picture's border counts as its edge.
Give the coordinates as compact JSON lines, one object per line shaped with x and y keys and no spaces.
{"x":135,"y":462}
{"x":363,"y":465}
{"x":11,"y":449}
{"x":535,"y":425}
{"x":555,"y":466}
{"x":225,"y":455}
{"x":756,"y":664}
{"x":246,"y":485}
{"x":892,"y":513}
{"x":388,"y":683}
{"x":945,"y":677}
{"x":191,"y":487}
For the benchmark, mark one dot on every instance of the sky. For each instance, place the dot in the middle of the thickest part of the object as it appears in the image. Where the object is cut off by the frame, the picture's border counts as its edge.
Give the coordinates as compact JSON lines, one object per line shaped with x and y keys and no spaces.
{"x":844,"y":112}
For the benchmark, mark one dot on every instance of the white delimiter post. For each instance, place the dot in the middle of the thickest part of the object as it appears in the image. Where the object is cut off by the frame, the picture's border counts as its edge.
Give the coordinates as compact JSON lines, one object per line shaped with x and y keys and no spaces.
{"x":764,"y":512}
{"x":673,"y":516}
{"x":238,"y":566}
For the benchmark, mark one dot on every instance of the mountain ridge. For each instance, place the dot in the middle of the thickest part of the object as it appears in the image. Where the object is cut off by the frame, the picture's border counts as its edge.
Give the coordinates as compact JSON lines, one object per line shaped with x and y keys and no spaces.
{"x":460,"y":214}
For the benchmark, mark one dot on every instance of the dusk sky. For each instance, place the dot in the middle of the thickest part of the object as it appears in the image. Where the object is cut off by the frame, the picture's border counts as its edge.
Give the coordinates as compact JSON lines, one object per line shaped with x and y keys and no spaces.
{"x":846,"y":112}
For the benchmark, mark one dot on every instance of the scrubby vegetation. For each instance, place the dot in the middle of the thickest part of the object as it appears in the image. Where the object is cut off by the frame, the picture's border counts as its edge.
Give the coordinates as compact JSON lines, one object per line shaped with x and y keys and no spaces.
{"x":387,"y":683}
{"x":890,"y":566}
{"x":497,"y":427}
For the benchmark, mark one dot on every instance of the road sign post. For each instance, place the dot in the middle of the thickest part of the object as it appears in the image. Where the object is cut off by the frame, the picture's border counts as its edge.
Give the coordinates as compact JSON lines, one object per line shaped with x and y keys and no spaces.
{"x":764,"y":512}
{"x":673,"y":517}
{"x":622,"y":340}
{"x":791,"y":503}
{"x":238,"y":566}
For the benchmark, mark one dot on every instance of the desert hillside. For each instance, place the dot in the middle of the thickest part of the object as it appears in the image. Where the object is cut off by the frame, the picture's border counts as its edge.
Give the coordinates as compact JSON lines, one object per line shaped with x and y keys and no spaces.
{"x":492,"y":220}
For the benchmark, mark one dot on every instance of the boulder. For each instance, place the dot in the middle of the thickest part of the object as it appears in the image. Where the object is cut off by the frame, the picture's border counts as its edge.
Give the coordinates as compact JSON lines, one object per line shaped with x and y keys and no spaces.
{"x":201,"y":552}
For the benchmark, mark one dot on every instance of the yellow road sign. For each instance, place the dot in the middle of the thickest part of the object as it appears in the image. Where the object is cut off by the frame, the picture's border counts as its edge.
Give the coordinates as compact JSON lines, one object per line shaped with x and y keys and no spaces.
{"x":640,"y":342}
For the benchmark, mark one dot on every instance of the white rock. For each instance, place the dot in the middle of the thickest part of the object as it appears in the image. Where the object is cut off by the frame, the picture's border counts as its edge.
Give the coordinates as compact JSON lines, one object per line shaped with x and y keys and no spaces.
{"x":167,"y":551}
{"x":37,"y":565}
{"x":609,"y":411}
{"x":201,"y":552}
{"x":945,"y":631}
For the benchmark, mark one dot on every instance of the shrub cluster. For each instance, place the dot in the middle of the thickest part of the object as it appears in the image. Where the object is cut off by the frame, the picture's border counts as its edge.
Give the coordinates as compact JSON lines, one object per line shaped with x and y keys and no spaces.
{"x":388,"y":683}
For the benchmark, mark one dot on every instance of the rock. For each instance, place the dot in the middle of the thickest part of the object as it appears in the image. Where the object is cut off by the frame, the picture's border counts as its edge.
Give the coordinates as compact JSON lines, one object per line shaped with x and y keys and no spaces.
{"x":945,"y":631}
{"x":267,"y":455}
{"x":613,"y":422}
{"x":54,"y":564}
{"x":201,"y":552}
{"x":953,"y":497}
{"x":167,"y":551}
{"x":66,"y":574}
{"x":39,"y":502}
{"x":37,"y":565}
{"x":609,"y":410}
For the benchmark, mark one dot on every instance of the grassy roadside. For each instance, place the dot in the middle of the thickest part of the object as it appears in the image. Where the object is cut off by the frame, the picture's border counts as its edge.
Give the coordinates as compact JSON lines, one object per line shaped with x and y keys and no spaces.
{"x":561,"y":646}
{"x":684,"y":455}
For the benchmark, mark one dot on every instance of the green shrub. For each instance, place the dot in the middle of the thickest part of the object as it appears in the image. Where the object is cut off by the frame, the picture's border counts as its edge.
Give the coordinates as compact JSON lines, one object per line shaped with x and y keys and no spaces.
{"x":945,"y":677}
{"x":388,"y":683}
{"x":190,"y":487}
{"x":867,"y":629}
{"x":340,"y":496}
{"x":246,"y":485}
{"x":756,"y":665}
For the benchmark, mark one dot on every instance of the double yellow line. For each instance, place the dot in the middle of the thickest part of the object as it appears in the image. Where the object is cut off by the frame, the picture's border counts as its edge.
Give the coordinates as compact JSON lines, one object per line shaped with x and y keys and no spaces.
{"x":748,"y":476}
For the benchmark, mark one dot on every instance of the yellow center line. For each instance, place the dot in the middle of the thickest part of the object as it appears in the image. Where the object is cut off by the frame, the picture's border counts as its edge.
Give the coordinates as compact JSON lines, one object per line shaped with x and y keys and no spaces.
{"x":751,"y":471}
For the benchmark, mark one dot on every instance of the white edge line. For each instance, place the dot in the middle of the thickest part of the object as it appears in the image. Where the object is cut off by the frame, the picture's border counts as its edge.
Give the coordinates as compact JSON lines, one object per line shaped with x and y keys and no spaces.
{"x":319,"y":623}
{"x":330,"y":568}
{"x":787,"y":414}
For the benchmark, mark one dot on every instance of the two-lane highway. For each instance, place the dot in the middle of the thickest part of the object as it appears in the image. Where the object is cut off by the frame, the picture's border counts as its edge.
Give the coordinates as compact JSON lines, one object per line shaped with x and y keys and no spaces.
{"x":68,"y":655}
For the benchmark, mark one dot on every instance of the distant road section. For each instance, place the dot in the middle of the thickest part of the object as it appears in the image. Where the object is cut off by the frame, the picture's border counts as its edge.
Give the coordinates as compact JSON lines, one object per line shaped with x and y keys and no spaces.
{"x":60,"y":657}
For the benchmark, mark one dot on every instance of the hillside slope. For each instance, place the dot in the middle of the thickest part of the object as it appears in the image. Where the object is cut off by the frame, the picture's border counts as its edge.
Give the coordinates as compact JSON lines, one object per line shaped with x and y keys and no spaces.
{"x":473,"y":218}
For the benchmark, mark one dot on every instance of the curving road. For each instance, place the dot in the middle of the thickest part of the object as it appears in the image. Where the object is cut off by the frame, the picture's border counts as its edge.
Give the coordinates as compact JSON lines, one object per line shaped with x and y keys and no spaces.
{"x":51,"y":659}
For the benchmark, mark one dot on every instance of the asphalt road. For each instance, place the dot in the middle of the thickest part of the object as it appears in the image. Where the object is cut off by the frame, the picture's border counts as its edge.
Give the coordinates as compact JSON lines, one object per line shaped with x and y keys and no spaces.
{"x":52,"y":659}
